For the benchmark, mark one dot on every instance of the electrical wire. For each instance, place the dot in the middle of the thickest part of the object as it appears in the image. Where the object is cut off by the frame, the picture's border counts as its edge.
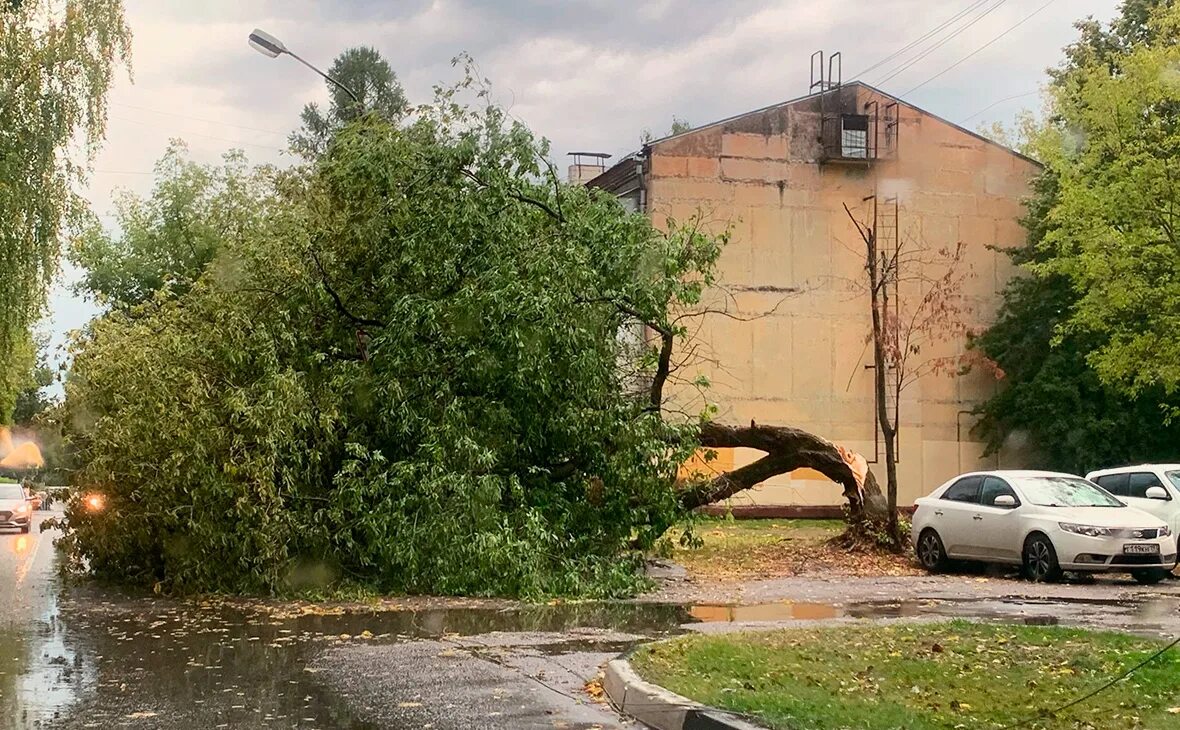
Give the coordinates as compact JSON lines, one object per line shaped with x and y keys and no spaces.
{"x":1088,"y":695}
{"x":997,"y":102}
{"x":198,"y":134}
{"x":198,"y":119}
{"x":922,"y":38}
{"x":961,"y":29}
{"x":985,"y":45}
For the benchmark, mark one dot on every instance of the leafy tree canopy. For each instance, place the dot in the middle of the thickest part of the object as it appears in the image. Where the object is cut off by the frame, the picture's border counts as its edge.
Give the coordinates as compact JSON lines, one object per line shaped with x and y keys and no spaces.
{"x":57,"y":61}
{"x":1114,"y":147}
{"x":165,"y":242}
{"x":403,"y":374}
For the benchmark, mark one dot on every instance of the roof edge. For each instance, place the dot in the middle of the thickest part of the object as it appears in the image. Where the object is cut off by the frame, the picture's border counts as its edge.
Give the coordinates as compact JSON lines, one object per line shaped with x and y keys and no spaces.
{"x":862,"y":84}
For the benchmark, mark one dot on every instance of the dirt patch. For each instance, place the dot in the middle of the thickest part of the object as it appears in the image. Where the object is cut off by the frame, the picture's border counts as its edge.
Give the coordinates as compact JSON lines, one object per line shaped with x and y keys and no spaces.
{"x":759,"y":549}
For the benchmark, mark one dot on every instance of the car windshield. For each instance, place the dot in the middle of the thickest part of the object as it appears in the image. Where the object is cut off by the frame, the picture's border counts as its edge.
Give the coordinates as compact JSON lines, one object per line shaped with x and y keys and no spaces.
{"x":1065,"y":492}
{"x":11,"y":491}
{"x":1174,"y":478}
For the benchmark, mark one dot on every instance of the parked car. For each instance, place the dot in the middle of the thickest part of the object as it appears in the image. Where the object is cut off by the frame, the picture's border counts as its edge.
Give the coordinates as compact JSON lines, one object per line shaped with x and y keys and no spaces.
{"x":1153,"y":488}
{"x":35,"y":498}
{"x":1044,"y":522}
{"x":15,"y":508}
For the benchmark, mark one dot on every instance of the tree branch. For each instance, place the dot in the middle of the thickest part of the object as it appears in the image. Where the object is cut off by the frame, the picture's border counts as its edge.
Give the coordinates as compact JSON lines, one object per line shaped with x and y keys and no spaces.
{"x":336,"y":297}
{"x":787,"y":449}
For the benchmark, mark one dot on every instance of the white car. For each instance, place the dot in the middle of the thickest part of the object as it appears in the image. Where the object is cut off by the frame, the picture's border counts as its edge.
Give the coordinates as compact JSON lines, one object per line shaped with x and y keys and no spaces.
{"x":1043,"y":521}
{"x":1153,"y":488}
{"x":15,"y":508}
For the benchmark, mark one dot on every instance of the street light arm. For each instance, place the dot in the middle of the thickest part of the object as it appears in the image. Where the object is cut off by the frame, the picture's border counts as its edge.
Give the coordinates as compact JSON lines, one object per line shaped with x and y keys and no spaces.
{"x":326,"y":76}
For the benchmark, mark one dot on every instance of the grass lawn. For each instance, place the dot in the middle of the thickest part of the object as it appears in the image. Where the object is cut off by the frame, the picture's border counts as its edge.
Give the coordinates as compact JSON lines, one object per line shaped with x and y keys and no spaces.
{"x":743,"y":549}
{"x":952,"y":675}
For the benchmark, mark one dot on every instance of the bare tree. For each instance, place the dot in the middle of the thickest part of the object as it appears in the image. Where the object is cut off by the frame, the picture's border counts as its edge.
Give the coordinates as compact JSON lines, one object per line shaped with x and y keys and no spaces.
{"x":916,"y":302}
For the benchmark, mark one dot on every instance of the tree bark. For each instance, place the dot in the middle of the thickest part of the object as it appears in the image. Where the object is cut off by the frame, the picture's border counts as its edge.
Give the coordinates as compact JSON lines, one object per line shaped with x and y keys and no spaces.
{"x":787,"y":449}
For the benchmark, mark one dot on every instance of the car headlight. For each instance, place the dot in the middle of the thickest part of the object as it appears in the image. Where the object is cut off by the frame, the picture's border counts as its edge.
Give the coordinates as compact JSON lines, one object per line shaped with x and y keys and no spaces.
{"x":1165,"y":531}
{"x":1087,"y":530}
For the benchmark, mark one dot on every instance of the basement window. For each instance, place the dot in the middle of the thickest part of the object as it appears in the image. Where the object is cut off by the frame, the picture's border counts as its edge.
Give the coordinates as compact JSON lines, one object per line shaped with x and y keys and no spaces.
{"x":854,"y":136}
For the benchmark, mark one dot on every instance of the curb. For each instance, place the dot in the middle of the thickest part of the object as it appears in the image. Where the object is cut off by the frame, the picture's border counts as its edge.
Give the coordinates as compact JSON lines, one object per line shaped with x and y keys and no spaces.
{"x":659,"y":708}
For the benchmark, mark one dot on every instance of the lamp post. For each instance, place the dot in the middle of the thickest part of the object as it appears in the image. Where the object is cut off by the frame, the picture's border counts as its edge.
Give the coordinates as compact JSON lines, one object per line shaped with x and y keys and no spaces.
{"x":272,"y":47}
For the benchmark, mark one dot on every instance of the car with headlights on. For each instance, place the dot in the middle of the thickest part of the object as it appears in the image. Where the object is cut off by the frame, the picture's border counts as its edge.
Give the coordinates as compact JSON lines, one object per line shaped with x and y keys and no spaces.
{"x":16,"y":511}
{"x":1045,"y":522}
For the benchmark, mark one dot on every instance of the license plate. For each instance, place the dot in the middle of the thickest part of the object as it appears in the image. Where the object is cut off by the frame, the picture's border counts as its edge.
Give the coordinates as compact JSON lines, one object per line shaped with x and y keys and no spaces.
{"x":1141,"y":549}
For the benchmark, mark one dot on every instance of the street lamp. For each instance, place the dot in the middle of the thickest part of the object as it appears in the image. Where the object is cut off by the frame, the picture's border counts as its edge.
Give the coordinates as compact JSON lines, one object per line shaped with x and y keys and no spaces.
{"x":272,"y":47}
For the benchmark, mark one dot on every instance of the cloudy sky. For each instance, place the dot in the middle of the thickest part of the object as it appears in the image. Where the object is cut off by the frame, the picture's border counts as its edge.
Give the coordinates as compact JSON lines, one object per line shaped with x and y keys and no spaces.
{"x":587,"y":74}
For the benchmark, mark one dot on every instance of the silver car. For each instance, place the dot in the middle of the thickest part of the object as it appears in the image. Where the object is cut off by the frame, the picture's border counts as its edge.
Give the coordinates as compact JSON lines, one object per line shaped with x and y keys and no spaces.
{"x":16,"y":510}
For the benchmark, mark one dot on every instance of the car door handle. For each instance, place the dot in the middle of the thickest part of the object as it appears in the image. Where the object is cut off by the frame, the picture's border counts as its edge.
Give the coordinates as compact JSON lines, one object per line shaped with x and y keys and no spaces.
{"x":938,"y":512}
{"x":977,"y":517}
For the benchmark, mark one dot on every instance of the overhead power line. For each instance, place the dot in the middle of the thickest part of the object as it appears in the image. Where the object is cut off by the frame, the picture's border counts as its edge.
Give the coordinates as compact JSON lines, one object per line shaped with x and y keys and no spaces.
{"x":198,"y":134}
{"x":198,"y":119}
{"x":942,"y":42}
{"x":922,"y":38}
{"x":997,"y":102}
{"x":1019,"y":23}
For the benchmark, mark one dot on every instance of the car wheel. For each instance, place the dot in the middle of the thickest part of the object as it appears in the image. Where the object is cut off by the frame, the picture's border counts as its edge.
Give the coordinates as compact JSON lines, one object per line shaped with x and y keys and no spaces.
{"x":931,"y":553}
{"x":1040,"y":560}
{"x":1149,"y":577}
{"x":25,"y":530}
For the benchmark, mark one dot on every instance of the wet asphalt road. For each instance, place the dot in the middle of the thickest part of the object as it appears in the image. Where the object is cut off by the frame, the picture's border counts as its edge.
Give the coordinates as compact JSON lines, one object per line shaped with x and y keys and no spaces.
{"x":87,"y":657}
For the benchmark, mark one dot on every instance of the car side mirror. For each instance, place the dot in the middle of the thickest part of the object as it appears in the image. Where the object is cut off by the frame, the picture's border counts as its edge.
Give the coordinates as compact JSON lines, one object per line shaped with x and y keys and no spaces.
{"x":1004,"y":500}
{"x":1156,"y":493}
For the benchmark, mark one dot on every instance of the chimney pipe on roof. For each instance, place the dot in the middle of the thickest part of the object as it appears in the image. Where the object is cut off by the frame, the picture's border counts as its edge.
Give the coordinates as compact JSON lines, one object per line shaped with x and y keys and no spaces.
{"x":586,"y":166}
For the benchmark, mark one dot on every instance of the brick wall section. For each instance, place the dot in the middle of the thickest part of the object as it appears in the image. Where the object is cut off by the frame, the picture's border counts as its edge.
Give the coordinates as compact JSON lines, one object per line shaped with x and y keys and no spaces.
{"x":790,"y":268}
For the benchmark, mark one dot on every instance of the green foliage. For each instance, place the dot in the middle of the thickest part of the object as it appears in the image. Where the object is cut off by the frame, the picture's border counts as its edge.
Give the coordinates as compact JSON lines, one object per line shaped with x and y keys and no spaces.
{"x":679,"y":126}
{"x":920,"y":677}
{"x":1047,"y":338}
{"x":368,"y":75}
{"x":403,"y":374}
{"x":56,"y":65}
{"x":165,"y":242}
{"x":31,"y":400}
{"x":1113,"y":146}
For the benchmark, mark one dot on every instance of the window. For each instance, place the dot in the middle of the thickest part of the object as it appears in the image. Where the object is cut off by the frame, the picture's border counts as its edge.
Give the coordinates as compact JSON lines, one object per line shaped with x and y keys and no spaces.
{"x":994,"y":487}
{"x":1116,"y":484}
{"x":854,"y":136}
{"x":1140,"y":482}
{"x":964,"y":490}
{"x":1065,"y":492}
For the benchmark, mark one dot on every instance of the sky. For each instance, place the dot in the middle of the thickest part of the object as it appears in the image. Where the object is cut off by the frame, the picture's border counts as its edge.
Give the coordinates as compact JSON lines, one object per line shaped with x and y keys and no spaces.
{"x":587,"y":74}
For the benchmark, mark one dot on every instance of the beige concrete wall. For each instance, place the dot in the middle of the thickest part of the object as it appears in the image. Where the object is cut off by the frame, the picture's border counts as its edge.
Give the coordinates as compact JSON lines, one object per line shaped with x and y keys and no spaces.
{"x":793,"y":348}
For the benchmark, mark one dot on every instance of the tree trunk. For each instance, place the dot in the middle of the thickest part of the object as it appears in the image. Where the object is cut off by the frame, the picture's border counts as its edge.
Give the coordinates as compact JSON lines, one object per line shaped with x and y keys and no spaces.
{"x":879,"y":303}
{"x":787,"y":449}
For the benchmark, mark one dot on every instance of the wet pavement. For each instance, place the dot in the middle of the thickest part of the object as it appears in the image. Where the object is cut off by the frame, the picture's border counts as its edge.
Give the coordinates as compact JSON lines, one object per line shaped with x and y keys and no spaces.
{"x":83,"y":656}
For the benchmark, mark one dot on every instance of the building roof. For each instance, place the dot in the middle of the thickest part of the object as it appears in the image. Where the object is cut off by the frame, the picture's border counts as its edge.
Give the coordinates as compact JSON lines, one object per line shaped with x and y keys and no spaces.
{"x":602,"y":180}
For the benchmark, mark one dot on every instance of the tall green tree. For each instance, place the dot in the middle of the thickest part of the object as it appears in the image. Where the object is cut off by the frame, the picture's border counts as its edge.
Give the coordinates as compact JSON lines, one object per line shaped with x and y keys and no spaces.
{"x":57,"y":61}
{"x":1073,"y":415}
{"x":366,"y":73}
{"x":1114,"y":146}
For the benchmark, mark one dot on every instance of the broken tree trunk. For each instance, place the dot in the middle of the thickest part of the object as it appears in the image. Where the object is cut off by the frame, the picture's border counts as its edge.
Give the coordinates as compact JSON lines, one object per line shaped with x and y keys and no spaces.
{"x":787,"y":449}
